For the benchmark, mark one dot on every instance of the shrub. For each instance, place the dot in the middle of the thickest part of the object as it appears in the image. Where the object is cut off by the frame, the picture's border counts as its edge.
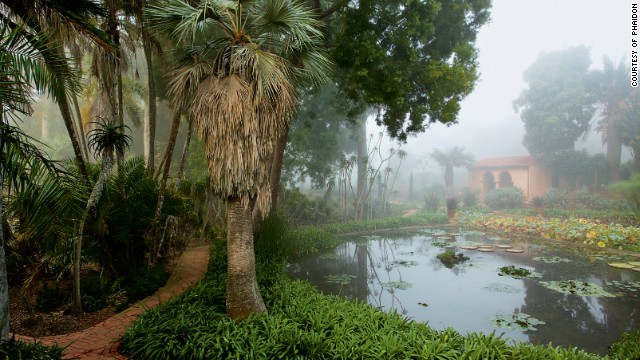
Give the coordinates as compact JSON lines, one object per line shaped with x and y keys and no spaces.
{"x":629,"y":190}
{"x":272,"y":240}
{"x":537,"y":201}
{"x":470,"y":198}
{"x":504,"y":198}
{"x":145,"y":282}
{"x":432,"y":201}
{"x":300,"y":210}
{"x":50,"y":297}
{"x":17,"y":349}
{"x":556,"y":199}
{"x":452,"y":203}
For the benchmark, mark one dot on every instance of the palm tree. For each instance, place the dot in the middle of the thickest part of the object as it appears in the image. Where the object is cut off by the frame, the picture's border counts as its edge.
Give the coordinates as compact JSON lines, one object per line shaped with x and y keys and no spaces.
{"x":454,"y":157}
{"x":57,"y":22}
{"x":243,"y":62}
{"x":105,"y":140}
{"x":22,"y":71}
{"x":611,"y":88}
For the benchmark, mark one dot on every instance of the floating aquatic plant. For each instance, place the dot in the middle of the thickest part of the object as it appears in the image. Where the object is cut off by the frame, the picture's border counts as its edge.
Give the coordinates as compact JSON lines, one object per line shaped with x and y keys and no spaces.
{"x":518,"y":273}
{"x":502,"y":288}
{"x":343,"y":279}
{"x":450,"y":258}
{"x":580,"y":288}
{"x":519,"y":321}
{"x":551,"y":259}
{"x":405,"y":263}
{"x":328,"y":256}
{"x":401,"y":285}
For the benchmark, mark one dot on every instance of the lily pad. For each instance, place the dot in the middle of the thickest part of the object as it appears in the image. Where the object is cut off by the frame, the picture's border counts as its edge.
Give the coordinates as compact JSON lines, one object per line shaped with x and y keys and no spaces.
{"x":423,"y":304}
{"x":465,"y":247}
{"x":619,"y":265}
{"x":519,"y":321}
{"x":485,"y":246}
{"x":485,"y":249}
{"x":405,"y":263}
{"x":580,"y":288}
{"x":551,"y":259}
{"x":343,"y":279}
{"x":635,"y":263}
{"x":396,"y":285}
{"x":515,"y":251}
{"x":502,"y":288}
{"x":518,"y":273}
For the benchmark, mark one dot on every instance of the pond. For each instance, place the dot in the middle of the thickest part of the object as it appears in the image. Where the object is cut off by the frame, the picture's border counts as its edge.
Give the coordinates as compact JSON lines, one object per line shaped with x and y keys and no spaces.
{"x":552,"y":293}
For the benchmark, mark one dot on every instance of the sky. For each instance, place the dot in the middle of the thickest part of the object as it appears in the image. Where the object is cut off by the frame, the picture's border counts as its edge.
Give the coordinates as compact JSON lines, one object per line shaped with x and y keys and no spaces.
{"x":519,"y":31}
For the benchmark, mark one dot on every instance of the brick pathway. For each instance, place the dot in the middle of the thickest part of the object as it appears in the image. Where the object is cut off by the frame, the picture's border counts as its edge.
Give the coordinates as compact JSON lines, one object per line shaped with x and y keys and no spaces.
{"x":100,"y":341}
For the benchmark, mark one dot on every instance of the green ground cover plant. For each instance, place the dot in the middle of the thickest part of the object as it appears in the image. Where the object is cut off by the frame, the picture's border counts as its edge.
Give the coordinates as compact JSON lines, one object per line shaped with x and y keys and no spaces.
{"x":302,"y":323}
{"x":578,"y":230}
{"x":18,"y":350}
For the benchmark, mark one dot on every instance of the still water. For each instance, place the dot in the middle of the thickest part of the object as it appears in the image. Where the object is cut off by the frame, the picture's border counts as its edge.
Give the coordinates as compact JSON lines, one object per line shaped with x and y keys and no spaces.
{"x":401,"y":272}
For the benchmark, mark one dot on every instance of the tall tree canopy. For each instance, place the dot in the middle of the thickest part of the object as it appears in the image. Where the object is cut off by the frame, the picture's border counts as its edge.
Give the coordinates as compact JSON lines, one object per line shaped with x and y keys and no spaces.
{"x":454,"y":157}
{"x":413,"y":61}
{"x":556,"y":108}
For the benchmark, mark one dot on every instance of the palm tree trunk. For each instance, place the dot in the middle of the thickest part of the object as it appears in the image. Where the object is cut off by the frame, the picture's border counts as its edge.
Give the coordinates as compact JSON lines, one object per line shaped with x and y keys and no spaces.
{"x":150,"y":120}
{"x":175,"y":125}
{"x":80,"y":127}
{"x":276,"y":167}
{"x":63,"y":103}
{"x":4,"y":280}
{"x":243,"y":295}
{"x":183,"y":158}
{"x":96,"y":194}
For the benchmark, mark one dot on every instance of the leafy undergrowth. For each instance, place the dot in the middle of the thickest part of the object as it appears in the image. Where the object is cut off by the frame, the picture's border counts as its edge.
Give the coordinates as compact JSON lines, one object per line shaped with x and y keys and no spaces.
{"x":576,"y":230}
{"x":16,"y":349}
{"x":301,"y":323}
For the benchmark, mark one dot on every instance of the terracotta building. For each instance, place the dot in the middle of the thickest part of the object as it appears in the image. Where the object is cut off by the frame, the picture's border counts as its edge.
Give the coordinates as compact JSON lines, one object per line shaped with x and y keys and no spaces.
{"x":520,"y":171}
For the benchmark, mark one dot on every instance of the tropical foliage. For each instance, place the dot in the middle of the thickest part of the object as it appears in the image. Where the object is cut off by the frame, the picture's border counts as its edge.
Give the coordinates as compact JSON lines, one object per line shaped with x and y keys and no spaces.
{"x":575,"y":230}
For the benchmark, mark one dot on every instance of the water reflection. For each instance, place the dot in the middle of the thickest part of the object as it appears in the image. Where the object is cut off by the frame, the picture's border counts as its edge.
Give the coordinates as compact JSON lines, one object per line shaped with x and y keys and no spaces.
{"x":403,"y":273}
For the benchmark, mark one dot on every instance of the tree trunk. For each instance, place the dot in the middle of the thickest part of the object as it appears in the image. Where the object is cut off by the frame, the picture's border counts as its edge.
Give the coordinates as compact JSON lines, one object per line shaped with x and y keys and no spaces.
{"x":80,"y":128}
{"x":448,"y":177}
{"x":150,"y":120}
{"x":4,"y":280}
{"x":243,"y":295}
{"x":276,"y":167}
{"x":614,"y":150}
{"x":65,"y":112}
{"x":96,"y":194}
{"x":175,"y":125}
{"x":183,"y":158}
{"x":363,"y":162}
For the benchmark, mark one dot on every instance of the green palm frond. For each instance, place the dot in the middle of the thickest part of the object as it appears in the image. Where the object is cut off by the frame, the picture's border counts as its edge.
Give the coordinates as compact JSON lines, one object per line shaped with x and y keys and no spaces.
{"x":108,"y":137}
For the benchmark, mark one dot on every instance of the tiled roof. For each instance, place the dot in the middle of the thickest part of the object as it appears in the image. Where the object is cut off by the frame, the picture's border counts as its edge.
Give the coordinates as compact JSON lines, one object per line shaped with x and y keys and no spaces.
{"x":504,"y":162}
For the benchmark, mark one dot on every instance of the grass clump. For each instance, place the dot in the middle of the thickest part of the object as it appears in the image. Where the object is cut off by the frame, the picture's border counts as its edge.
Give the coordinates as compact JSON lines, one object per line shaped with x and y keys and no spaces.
{"x":17,"y":349}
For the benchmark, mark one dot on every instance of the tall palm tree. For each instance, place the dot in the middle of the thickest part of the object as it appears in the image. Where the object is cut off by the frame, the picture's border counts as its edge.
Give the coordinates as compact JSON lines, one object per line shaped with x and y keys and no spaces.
{"x":611,"y":88}
{"x":454,"y":157}
{"x":60,"y":20}
{"x":105,"y":140}
{"x":22,"y":71}
{"x":244,"y":61}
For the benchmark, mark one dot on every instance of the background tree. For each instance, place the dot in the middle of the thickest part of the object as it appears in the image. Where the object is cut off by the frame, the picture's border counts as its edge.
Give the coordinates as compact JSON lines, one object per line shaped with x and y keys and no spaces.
{"x":454,"y":157}
{"x":556,"y":107}
{"x":105,"y":141}
{"x":612,"y":91}
{"x":22,"y":71}
{"x":244,"y":96}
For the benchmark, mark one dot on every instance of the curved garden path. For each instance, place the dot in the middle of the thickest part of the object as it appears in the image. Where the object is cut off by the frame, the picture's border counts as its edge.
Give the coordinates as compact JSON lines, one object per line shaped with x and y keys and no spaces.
{"x":101,"y":341}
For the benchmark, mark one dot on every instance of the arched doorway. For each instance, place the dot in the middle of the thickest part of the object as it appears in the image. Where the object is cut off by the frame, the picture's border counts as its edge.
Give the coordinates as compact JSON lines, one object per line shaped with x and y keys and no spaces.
{"x":505,"y":180}
{"x":489,"y":182}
